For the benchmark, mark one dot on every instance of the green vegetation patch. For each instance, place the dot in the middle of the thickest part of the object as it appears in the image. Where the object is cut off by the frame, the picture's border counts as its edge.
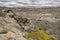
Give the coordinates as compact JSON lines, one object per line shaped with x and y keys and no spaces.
{"x":40,"y":34}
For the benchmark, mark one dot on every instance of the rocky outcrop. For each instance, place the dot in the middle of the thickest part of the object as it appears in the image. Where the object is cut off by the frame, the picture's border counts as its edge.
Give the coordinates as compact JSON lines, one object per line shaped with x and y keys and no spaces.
{"x":14,"y":23}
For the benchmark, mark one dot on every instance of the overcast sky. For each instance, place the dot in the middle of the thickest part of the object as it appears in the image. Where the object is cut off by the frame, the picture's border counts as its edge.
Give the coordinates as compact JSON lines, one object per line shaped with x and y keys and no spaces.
{"x":29,"y":2}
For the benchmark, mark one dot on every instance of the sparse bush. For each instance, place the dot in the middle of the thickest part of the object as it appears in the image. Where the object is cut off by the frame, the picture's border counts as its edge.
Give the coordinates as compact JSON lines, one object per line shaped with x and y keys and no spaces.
{"x":39,"y":34}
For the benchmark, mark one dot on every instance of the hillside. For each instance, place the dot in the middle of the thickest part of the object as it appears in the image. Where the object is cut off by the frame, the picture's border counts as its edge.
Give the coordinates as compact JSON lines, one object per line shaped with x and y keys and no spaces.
{"x":16,"y":22}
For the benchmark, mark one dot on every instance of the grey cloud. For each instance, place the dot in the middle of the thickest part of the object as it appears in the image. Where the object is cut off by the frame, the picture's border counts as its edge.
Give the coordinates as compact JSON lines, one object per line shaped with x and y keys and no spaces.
{"x":14,"y":3}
